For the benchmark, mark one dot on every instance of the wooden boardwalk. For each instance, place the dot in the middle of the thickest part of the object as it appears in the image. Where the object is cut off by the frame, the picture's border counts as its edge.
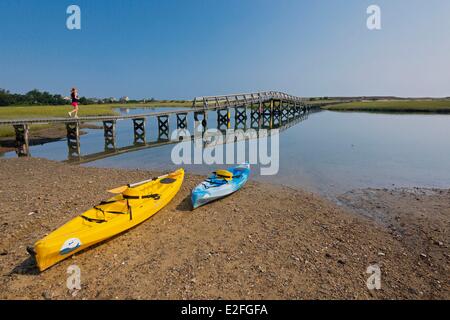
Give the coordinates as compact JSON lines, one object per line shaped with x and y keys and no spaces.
{"x":163,"y":142}
{"x":266,"y":107}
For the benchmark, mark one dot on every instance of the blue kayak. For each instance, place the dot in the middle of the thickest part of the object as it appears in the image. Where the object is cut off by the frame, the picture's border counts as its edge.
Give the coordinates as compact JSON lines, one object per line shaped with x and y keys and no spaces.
{"x":220,"y":184}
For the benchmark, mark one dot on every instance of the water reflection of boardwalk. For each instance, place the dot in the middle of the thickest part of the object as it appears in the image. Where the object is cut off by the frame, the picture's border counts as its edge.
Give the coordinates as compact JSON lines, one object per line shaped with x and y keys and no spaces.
{"x":257,"y":124}
{"x":266,"y":110}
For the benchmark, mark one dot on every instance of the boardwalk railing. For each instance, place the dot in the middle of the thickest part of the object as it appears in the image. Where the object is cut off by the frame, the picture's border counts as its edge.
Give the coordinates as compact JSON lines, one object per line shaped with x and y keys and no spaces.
{"x":266,"y":109}
{"x":234,"y":100}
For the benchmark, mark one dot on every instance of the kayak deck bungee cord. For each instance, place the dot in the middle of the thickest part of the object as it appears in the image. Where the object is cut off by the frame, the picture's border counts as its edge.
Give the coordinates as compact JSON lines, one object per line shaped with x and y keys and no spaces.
{"x":220,"y":184}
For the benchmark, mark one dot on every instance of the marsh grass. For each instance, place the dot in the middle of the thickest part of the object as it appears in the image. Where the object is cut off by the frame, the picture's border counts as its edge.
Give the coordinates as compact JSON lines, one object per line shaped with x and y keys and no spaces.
{"x":8,"y":131}
{"x":22,"y":112}
{"x":395,"y":106}
{"x":33,"y":112}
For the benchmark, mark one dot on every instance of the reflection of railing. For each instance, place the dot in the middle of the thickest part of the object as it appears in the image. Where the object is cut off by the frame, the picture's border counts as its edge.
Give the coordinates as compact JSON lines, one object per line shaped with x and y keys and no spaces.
{"x":257,"y":132}
{"x":256,"y":127}
{"x":272,"y":107}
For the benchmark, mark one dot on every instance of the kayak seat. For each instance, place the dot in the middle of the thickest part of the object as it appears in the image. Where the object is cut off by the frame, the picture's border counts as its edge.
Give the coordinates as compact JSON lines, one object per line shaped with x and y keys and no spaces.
{"x":224,"y":174}
{"x":233,"y":177}
{"x":167,"y":180}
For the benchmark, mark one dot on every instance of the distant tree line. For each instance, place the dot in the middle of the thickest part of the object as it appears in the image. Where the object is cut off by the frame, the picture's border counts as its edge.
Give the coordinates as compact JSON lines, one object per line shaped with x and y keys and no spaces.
{"x":36,"y":97}
{"x":31,"y":97}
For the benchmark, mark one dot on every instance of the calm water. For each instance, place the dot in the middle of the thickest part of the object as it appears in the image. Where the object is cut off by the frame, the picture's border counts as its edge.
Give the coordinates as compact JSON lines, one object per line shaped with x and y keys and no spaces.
{"x":329,"y":152}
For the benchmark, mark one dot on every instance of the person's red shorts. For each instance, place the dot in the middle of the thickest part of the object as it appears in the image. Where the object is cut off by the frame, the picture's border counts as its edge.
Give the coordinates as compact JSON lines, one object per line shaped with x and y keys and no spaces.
{"x":74,"y":104}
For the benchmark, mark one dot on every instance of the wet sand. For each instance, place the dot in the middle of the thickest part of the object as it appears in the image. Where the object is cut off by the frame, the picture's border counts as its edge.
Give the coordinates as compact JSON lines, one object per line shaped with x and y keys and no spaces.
{"x":264,"y":242}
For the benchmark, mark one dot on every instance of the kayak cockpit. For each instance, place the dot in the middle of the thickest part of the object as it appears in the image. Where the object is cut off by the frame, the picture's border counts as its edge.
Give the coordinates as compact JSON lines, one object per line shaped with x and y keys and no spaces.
{"x":106,"y":211}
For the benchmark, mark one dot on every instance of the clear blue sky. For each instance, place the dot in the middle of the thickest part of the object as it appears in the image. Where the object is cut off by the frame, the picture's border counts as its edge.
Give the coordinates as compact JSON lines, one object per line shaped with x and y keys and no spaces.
{"x":186,"y":48}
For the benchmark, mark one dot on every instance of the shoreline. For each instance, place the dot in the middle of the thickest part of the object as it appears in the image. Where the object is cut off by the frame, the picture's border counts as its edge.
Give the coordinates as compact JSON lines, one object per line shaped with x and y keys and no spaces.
{"x":436,"y":106}
{"x":38,"y":111}
{"x":41,"y":136}
{"x":294,"y":245}
{"x":390,"y":111}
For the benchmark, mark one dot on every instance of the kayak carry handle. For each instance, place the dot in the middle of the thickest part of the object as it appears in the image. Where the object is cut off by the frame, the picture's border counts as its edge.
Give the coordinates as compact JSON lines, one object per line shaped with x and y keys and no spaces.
{"x":31,"y":251}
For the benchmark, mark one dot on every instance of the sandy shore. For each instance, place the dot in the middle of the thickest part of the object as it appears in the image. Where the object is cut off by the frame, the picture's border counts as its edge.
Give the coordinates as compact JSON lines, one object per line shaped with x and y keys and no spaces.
{"x":264,"y":242}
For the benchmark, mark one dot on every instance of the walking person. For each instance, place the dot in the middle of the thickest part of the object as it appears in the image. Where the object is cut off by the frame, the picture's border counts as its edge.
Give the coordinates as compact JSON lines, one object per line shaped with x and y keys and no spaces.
{"x":74,"y":96}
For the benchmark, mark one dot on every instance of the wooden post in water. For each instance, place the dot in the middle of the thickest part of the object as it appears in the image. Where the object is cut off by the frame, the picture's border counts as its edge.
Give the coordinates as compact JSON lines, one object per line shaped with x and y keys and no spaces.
{"x":73,"y":139}
{"x":223,"y":118}
{"x":255,"y":116}
{"x":260,"y":113}
{"x":240,"y":117}
{"x":284,"y":111}
{"x":281,"y":111}
{"x":163,"y":127}
{"x":291,"y":106}
{"x":267,"y":115}
{"x":182,"y":120}
{"x":201,"y":117}
{"x":219,"y":118}
{"x":271,"y":113}
{"x":276,"y":111}
{"x":22,"y":143}
{"x":139,"y":130}
{"x":109,"y":128}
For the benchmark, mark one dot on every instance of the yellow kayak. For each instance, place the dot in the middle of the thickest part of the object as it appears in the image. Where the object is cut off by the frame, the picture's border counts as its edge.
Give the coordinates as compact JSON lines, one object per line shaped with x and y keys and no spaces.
{"x":132,"y":205}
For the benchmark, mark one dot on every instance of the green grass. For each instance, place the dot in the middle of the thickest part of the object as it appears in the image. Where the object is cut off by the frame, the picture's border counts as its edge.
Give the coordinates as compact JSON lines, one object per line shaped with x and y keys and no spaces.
{"x":30,"y":112}
{"x":8,"y":131}
{"x":399,"y":106}
{"x":26,"y":112}
{"x":45,"y":112}
{"x":321,"y":101}
{"x":51,"y":111}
